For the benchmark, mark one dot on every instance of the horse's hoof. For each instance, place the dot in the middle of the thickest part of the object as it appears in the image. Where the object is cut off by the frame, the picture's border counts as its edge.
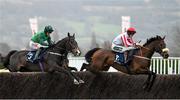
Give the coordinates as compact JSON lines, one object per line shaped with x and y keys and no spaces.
{"x":81,"y":81}
{"x":76,"y":82}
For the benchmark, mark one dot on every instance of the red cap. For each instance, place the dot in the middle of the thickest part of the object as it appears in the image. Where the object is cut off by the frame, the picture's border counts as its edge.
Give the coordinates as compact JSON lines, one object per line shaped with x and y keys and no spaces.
{"x":131,"y":29}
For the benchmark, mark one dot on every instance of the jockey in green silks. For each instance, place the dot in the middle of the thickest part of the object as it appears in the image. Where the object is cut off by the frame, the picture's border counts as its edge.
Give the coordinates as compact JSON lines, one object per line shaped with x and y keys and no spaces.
{"x":41,"y":40}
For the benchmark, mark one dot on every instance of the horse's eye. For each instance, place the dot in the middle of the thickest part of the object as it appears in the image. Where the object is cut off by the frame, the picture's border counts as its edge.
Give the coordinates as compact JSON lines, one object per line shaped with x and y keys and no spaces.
{"x":162,"y":44}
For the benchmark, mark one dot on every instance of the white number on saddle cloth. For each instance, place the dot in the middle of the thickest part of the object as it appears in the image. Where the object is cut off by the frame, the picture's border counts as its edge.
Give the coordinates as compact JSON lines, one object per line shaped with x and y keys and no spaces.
{"x":29,"y":55}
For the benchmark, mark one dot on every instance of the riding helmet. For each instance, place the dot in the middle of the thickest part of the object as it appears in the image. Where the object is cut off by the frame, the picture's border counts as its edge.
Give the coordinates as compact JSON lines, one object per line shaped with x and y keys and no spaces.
{"x":48,"y":29}
{"x":131,"y":29}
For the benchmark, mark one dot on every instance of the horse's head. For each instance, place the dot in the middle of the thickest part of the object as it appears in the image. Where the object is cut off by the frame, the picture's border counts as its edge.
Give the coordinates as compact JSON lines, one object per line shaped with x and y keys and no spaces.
{"x":160,"y":47}
{"x":72,"y":46}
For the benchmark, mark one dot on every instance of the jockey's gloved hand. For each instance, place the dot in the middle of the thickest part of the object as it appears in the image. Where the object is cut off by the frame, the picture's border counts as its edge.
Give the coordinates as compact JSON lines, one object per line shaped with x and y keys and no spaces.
{"x":44,"y":44}
{"x":130,"y":48}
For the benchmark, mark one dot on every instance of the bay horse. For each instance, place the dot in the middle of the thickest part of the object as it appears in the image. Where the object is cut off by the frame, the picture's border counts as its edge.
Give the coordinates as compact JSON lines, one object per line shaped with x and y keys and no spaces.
{"x":54,"y":59}
{"x":101,"y":59}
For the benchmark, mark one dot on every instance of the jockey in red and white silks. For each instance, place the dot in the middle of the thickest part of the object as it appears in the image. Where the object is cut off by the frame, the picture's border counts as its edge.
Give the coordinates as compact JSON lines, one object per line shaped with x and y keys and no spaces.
{"x":124,"y":41}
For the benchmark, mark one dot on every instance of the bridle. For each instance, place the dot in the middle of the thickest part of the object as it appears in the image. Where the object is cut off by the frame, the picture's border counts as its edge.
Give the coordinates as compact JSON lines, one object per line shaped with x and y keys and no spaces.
{"x":71,"y":45}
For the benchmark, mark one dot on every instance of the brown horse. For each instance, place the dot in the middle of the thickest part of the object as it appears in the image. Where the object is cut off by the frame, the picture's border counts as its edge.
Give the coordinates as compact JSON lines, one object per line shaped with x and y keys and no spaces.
{"x":54,"y":59}
{"x":101,"y":59}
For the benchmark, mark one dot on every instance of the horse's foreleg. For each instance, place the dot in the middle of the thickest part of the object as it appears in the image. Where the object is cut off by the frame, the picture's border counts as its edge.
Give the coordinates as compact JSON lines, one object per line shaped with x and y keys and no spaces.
{"x":152,"y":82}
{"x":84,"y":66}
{"x":148,"y":84}
{"x":66,"y":71}
{"x":76,"y":77}
{"x":72,"y":68}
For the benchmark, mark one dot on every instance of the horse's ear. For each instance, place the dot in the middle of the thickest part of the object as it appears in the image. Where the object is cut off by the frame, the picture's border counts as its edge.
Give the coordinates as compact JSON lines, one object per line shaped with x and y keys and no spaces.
{"x":164,"y":37}
{"x":74,"y":35}
{"x":68,"y":34}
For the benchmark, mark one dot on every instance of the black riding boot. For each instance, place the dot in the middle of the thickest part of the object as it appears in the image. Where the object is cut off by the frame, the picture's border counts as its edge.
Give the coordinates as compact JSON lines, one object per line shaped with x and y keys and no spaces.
{"x":129,"y":56}
{"x":37,"y":54}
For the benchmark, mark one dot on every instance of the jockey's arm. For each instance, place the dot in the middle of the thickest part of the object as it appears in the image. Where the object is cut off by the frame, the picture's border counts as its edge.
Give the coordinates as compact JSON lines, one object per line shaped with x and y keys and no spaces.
{"x":120,"y":48}
{"x":43,"y":46}
{"x":50,"y":42}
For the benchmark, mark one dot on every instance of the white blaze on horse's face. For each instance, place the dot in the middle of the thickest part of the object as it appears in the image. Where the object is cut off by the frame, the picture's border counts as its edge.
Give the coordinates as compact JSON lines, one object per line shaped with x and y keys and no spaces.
{"x":76,"y":52}
{"x":165,"y":50}
{"x":165,"y":53}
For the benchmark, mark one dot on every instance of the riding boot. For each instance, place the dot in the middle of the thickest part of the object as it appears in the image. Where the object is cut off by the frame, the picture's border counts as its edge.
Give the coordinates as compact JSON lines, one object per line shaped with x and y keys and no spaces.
{"x":128,"y":61}
{"x":129,"y":57}
{"x":37,"y":54}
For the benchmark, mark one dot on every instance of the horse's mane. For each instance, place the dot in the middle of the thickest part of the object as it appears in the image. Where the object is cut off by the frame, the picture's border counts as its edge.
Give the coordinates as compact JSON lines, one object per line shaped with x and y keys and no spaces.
{"x":152,"y":39}
{"x":60,"y":41}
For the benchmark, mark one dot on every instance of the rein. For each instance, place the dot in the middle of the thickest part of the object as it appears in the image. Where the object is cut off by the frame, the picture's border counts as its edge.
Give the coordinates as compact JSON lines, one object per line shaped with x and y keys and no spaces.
{"x":58,"y":54}
{"x":141,"y":55}
{"x":141,"y":49}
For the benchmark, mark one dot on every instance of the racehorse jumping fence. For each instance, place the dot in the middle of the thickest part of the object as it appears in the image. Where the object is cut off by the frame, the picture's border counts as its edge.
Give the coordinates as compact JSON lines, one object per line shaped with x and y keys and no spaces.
{"x":158,"y":64}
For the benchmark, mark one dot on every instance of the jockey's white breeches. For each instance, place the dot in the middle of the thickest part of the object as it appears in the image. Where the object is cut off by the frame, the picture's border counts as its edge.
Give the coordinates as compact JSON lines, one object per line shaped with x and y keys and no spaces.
{"x":34,"y":45}
{"x":121,"y":49}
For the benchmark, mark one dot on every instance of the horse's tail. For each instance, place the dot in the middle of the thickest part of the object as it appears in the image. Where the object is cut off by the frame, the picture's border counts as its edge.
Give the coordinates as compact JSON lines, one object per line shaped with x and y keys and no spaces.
{"x":7,"y":58}
{"x":89,"y":54}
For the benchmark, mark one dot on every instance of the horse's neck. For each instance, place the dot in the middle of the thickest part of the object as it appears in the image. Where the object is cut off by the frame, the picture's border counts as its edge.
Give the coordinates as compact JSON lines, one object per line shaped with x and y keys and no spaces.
{"x":147,"y":50}
{"x":58,"y":48}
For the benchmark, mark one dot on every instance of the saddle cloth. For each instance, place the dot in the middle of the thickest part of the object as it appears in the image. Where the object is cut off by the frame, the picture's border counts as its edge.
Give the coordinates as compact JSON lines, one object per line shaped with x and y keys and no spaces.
{"x":31,"y":54}
{"x":120,"y":58}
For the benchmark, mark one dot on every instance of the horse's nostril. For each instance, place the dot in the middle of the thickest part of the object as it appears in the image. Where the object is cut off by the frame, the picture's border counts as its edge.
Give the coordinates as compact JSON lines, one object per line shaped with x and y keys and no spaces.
{"x":76,"y":53}
{"x":166,"y":55}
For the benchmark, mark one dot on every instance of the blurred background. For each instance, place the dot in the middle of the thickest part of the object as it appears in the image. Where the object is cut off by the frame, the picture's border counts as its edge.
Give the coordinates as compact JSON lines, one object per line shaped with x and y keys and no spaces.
{"x":95,"y":22}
